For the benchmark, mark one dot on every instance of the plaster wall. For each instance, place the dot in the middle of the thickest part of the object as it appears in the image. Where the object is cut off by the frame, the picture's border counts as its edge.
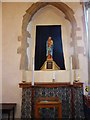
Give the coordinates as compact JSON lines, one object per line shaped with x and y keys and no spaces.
{"x":89,"y":46}
{"x":12,"y":14}
{"x":82,"y":42}
{"x":0,"y":52}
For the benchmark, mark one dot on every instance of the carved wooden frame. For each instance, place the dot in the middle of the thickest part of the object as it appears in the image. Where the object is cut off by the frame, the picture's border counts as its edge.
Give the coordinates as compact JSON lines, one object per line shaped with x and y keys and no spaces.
{"x":69,"y":15}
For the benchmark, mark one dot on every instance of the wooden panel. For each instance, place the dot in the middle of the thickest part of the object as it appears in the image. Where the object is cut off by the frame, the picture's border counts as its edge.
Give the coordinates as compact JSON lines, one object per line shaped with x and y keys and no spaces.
{"x":49,"y":84}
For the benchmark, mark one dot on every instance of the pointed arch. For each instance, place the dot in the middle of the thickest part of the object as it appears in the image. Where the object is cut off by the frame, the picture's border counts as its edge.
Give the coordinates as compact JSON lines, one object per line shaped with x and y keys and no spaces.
{"x":69,"y":15}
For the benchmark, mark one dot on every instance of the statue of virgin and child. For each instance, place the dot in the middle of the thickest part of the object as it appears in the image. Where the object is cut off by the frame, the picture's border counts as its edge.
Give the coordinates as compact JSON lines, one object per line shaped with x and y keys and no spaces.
{"x":49,"y":49}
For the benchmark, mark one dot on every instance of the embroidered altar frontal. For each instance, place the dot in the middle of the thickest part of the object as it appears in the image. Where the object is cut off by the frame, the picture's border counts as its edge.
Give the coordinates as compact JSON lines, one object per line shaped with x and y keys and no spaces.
{"x":71,"y":97}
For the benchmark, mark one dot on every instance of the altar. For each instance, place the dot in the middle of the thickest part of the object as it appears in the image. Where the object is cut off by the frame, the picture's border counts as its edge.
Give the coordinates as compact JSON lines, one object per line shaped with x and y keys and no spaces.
{"x":71,"y":97}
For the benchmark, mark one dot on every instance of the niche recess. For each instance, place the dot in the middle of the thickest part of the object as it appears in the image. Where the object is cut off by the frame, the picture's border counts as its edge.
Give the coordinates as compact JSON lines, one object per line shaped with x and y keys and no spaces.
{"x":69,"y":15}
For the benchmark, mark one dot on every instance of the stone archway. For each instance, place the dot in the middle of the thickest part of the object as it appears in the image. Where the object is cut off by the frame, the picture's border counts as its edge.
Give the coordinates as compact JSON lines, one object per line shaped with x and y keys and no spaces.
{"x":69,"y":15}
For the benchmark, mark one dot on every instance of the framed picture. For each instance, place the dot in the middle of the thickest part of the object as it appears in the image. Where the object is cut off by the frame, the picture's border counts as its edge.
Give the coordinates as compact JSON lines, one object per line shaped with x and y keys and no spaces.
{"x":49,"y":65}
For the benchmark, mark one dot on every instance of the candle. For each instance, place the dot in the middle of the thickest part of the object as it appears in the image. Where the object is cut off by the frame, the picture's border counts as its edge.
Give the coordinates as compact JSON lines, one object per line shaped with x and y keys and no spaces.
{"x":23,"y":75}
{"x":33,"y":71}
{"x":53,"y":76}
{"x":71,"y":79}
